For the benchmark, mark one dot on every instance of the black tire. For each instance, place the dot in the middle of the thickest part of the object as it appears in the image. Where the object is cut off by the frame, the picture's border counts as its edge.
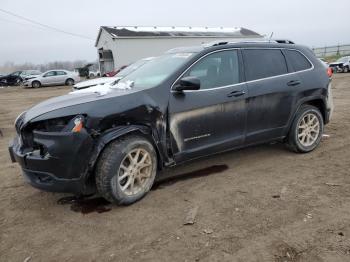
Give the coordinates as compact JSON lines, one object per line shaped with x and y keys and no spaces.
{"x":108,"y":169}
{"x":69,"y":82}
{"x":293,"y":141}
{"x":346,"y":69}
{"x":36,"y":84}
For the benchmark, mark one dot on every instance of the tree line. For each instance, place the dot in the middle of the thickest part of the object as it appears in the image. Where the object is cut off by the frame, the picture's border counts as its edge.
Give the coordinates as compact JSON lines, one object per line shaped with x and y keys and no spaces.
{"x":9,"y":67}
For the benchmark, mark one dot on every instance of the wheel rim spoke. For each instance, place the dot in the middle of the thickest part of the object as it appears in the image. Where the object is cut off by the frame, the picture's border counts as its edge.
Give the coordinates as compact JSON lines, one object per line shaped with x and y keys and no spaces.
{"x":308,"y":129}
{"x":135,"y":171}
{"x":123,"y":176}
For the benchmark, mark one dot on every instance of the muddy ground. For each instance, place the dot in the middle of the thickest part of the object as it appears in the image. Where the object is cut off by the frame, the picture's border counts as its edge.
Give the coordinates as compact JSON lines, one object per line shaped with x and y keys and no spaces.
{"x":269,"y":204}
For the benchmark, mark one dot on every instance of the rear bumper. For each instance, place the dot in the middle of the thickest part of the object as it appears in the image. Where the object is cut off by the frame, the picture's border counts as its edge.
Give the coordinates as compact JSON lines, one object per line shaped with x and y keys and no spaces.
{"x":64,"y":168}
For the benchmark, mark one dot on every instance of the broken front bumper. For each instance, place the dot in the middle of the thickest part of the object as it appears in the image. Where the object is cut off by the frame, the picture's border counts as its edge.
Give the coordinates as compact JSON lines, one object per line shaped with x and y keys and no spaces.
{"x":61,"y":163}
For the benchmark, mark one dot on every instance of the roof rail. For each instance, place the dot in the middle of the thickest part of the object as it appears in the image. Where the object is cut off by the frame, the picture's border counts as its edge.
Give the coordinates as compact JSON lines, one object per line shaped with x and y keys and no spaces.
{"x":278,"y":41}
{"x":284,"y":41}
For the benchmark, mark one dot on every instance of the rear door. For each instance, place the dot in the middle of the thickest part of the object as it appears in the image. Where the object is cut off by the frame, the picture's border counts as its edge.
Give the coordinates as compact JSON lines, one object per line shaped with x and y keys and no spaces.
{"x":61,"y":77}
{"x":211,"y":119}
{"x":272,"y":89}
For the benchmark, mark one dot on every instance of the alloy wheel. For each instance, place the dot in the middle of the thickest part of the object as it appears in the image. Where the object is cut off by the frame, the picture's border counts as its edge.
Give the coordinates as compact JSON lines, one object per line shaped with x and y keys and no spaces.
{"x":308,"y":129}
{"x":134,"y":172}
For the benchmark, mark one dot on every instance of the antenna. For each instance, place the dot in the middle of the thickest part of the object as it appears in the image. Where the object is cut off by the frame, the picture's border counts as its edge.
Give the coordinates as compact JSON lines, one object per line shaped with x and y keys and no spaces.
{"x":270,"y":37}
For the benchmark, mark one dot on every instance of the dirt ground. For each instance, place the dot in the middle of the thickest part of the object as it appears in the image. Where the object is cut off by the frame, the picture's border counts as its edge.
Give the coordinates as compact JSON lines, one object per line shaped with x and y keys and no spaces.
{"x":269,"y":204}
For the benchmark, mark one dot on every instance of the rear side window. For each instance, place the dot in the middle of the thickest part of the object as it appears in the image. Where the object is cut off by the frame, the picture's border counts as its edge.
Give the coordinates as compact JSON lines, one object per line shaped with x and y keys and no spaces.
{"x":263,"y":63}
{"x":61,"y":73}
{"x":297,"y":60}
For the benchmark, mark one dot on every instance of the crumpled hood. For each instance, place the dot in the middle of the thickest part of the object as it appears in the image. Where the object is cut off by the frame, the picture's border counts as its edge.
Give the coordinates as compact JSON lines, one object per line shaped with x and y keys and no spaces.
{"x":72,"y":99}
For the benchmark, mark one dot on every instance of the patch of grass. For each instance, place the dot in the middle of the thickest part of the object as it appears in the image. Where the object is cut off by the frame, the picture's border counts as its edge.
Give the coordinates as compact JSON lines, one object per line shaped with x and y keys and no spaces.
{"x":333,"y":58}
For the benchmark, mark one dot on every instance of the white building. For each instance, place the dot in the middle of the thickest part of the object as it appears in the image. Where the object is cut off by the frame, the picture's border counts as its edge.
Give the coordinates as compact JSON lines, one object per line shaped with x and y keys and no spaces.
{"x":118,"y":46}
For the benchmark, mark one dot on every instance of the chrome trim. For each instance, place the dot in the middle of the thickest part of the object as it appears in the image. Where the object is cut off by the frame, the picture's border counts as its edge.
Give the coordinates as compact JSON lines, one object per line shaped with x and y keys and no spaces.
{"x":246,"y":82}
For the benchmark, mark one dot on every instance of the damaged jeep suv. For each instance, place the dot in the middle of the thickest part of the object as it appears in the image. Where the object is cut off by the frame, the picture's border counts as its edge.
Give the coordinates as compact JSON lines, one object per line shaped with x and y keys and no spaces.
{"x":188,"y":103}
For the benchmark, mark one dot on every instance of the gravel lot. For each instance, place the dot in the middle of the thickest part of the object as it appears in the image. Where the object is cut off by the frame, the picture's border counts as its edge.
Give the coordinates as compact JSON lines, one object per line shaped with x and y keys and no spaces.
{"x":263,"y":203}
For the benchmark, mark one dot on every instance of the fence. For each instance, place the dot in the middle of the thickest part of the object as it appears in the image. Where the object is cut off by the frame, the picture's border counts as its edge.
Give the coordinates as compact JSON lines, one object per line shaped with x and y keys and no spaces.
{"x":332,"y":50}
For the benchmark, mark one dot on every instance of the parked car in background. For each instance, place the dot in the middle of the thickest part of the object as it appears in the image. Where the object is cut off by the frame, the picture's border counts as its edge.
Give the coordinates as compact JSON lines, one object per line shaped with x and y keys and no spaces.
{"x":53,"y":77}
{"x":188,"y":103}
{"x":27,"y":74}
{"x":94,"y":73}
{"x":342,"y":65}
{"x":17,"y":77}
{"x":105,"y":80}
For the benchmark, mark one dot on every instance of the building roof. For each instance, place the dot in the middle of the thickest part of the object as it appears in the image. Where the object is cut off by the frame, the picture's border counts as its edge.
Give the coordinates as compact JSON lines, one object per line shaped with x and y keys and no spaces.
{"x":179,"y":32}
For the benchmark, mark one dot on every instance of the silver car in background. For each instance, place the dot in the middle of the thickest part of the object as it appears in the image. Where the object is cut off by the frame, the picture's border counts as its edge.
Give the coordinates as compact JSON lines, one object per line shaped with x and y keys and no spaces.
{"x":53,"y":77}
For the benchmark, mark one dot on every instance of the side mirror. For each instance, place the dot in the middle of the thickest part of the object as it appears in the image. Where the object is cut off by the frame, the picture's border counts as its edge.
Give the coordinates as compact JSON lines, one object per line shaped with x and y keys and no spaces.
{"x":188,"y":83}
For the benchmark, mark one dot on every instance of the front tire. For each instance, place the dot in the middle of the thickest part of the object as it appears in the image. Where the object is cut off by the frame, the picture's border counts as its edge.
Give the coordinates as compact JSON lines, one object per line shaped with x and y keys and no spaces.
{"x":346,"y":69}
{"x":307,"y":130}
{"x":126,"y":170}
{"x":36,"y":84}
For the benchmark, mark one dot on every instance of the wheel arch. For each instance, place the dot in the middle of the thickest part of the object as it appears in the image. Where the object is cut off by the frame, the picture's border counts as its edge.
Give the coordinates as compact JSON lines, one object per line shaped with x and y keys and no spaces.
{"x":316,"y":101}
{"x":69,"y":78}
{"x":40,"y":84}
{"x":116,"y":133}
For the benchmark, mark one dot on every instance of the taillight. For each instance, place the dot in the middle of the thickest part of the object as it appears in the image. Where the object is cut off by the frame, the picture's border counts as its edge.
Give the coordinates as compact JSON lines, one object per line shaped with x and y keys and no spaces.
{"x":329,"y":72}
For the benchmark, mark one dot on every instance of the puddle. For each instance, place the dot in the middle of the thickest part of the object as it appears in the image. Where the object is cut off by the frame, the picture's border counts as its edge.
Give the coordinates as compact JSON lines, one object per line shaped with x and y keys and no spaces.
{"x":86,"y":205}
{"x":193,"y":174}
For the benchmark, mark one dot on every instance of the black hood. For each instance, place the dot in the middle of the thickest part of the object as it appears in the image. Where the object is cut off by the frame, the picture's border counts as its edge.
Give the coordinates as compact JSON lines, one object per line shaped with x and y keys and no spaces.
{"x":74,"y":103}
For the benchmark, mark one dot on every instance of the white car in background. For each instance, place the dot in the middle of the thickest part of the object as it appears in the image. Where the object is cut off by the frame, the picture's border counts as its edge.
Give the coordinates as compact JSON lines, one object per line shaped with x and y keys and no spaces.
{"x":53,"y":77}
{"x":108,"y":80}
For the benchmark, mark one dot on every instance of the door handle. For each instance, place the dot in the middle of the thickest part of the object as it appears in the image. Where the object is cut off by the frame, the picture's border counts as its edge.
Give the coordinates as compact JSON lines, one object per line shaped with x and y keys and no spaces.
{"x":236,"y":93}
{"x":294,"y":83}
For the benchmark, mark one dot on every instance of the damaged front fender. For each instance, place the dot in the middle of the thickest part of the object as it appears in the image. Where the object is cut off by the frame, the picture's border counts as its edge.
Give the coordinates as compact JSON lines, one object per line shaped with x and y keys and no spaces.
{"x":112,"y":134}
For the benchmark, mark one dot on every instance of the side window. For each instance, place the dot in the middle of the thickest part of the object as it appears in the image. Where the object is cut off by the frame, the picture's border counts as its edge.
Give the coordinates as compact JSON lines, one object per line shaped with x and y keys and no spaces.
{"x":61,"y":73}
{"x":16,"y":73}
{"x":297,"y":60}
{"x":262,"y":63}
{"x":217,"y":69}
{"x":51,"y":73}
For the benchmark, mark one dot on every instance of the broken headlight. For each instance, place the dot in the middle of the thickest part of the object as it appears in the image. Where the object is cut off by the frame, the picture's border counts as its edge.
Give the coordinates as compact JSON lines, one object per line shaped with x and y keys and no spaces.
{"x":62,"y":124}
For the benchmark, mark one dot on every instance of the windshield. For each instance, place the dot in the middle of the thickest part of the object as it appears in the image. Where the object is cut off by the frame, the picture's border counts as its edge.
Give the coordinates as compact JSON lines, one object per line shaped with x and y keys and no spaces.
{"x":132,"y":67}
{"x":154,"y":72}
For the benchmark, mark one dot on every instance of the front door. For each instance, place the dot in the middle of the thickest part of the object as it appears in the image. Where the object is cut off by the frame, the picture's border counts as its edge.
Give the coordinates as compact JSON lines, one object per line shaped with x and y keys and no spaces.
{"x":49,"y":78}
{"x":211,"y":119}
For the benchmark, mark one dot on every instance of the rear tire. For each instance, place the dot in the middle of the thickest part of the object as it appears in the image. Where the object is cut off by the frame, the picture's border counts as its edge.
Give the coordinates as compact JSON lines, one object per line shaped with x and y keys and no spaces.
{"x":126,"y":170}
{"x":36,"y":84}
{"x":346,"y":69}
{"x":307,"y":129}
{"x":69,"y":82}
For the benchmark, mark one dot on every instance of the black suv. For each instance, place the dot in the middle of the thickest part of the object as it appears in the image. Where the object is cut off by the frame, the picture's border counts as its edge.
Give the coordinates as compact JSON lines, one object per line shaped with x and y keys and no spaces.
{"x":185,"y":104}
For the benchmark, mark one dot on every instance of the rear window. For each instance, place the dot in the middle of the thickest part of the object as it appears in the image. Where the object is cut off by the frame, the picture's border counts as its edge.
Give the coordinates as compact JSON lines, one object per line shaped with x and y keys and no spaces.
{"x":263,"y":63}
{"x":61,"y":73}
{"x":297,"y":60}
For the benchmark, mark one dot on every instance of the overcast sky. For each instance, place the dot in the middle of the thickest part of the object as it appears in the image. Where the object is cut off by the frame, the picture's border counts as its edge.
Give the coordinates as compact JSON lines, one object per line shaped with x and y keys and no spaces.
{"x":310,"y":22}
